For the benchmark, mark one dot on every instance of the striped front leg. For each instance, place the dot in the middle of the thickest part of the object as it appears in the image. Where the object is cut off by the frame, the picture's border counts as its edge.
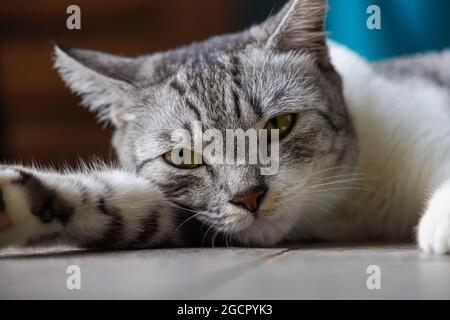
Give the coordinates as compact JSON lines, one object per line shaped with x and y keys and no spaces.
{"x":100,"y":209}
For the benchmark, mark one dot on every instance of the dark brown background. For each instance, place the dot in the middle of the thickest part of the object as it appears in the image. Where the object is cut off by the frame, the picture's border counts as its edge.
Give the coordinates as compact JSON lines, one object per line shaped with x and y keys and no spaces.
{"x":39,"y":118}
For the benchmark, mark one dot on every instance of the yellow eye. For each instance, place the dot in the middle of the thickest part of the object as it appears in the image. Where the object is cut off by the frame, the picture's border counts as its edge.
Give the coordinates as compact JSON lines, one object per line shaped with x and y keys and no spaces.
{"x":283,"y":124}
{"x":183,"y":158}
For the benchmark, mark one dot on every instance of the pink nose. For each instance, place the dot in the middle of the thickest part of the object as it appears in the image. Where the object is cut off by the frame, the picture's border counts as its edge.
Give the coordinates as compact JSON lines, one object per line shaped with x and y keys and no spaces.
{"x":250,"y":201}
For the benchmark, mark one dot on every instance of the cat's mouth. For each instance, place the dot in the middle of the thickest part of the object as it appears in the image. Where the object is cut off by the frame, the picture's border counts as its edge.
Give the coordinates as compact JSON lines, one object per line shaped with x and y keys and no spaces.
{"x":262,"y":228}
{"x":268,"y":214}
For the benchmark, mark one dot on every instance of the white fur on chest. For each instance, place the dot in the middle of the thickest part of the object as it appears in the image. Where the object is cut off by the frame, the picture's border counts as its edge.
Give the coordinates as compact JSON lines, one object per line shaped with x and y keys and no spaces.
{"x":404,"y":136}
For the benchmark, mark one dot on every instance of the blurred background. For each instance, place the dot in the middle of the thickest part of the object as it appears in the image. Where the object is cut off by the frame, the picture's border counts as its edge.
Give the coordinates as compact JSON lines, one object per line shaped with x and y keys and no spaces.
{"x":41,"y":120}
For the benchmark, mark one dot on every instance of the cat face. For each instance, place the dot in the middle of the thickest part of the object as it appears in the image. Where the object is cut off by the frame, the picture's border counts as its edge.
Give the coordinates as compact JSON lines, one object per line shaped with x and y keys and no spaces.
{"x":276,"y":75}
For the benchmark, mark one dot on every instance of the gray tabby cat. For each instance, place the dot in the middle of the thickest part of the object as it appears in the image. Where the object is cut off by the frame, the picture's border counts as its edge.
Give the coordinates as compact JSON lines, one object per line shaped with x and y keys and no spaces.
{"x":364,"y":149}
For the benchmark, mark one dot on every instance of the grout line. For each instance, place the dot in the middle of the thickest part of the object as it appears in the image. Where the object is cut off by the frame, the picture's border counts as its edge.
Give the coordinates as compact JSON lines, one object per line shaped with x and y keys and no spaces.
{"x":235,"y":272}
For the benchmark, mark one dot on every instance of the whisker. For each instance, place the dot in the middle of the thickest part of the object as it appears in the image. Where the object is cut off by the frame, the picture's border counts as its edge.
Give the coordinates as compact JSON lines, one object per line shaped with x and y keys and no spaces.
{"x":188,"y":219}
{"x":204,"y":237}
{"x":214,"y":237}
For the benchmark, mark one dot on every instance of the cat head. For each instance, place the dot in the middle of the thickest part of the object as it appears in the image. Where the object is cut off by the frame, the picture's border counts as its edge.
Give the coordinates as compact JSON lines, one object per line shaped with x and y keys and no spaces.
{"x":276,"y":75}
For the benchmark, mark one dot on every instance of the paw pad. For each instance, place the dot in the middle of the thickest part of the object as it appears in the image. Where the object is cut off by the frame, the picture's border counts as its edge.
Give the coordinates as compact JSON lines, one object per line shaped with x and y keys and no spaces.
{"x":2,"y":202}
{"x":5,"y":222}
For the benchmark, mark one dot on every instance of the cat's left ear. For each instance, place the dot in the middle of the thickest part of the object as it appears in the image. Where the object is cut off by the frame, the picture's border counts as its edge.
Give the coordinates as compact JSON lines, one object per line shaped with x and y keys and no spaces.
{"x":299,"y":26}
{"x":105,"y":82}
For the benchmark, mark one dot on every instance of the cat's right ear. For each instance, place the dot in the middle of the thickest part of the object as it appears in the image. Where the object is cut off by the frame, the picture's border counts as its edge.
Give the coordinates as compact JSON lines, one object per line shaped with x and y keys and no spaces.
{"x":105,"y":82}
{"x":299,"y":26}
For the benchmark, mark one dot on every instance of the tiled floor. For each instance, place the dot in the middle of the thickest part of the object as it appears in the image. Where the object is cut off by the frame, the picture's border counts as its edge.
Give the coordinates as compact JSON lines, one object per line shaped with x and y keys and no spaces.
{"x":284,"y":273}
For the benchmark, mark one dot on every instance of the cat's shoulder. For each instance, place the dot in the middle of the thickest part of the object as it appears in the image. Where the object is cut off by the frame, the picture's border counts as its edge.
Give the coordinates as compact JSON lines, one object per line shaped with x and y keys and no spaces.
{"x":433,"y":67}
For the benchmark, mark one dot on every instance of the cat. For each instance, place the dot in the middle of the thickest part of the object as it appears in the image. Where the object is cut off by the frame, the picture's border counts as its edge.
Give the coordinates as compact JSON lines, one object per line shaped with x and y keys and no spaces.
{"x":364,"y":156}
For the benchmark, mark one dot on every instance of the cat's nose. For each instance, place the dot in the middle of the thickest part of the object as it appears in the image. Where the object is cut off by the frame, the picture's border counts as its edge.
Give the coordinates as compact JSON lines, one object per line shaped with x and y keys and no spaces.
{"x":250,"y":201}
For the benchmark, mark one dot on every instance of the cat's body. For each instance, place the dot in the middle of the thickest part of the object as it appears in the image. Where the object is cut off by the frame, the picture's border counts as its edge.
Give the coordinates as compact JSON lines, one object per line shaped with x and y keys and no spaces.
{"x":359,"y":161}
{"x":401,"y":117}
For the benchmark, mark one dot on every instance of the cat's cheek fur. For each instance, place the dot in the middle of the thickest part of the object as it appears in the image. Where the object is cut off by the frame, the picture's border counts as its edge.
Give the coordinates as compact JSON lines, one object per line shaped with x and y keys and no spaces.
{"x":434,"y":228}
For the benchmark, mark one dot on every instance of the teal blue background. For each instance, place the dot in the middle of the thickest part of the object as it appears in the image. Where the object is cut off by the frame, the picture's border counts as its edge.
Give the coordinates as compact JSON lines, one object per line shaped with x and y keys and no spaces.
{"x":408,"y":26}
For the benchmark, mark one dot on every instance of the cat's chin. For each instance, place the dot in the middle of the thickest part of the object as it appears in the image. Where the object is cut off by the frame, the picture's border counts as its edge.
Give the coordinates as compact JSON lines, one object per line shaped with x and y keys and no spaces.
{"x":256,"y":238}
{"x":262,"y":230}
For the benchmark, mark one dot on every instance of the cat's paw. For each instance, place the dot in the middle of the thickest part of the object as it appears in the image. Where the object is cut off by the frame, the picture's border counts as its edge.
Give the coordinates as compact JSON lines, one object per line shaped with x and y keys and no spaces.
{"x":434,"y":228}
{"x":15,"y":217}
